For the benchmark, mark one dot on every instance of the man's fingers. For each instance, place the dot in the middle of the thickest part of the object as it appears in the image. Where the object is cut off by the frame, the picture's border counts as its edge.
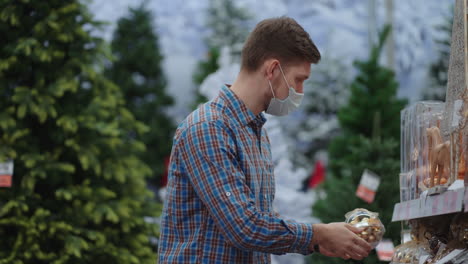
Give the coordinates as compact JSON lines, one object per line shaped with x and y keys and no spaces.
{"x":361,"y":243}
{"x":354,"y":249}
{"x":348,"y":246}
{"x":355,"y":256}
{"x":351,"y":255}
{"x":357,"y":250}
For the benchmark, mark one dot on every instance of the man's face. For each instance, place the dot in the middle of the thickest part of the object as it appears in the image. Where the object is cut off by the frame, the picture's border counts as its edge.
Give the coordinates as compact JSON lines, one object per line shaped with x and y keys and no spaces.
{"x":295,"y":74}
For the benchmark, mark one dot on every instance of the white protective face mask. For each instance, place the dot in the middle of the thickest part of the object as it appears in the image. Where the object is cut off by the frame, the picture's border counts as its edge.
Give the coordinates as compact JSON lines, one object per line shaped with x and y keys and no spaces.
{"x":283,"y":107}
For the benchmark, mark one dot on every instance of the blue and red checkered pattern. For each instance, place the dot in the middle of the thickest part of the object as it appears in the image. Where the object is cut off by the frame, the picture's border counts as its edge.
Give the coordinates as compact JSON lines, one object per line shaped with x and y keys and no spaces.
{"x":220,"y":191}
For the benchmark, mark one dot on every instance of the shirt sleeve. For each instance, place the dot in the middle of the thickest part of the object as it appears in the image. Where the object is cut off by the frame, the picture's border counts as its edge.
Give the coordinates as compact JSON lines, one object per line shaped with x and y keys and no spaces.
{"x":209,"y":157}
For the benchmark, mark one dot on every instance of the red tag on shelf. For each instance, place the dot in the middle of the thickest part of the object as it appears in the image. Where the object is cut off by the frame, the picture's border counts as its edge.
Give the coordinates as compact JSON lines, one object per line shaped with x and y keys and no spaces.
{"x":368,"y":186}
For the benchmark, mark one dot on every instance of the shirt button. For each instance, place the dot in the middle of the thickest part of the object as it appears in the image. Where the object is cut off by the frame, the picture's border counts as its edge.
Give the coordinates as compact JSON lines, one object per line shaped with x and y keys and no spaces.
{"x":228,"y":194}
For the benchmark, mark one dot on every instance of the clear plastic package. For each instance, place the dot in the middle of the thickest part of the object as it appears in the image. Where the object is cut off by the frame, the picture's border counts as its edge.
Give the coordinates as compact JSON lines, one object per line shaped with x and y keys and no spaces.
{"x":369,"y":221}
{"x":420,"y":133}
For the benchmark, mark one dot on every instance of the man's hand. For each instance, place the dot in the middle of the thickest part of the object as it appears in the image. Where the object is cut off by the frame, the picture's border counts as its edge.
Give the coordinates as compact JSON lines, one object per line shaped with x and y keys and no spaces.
{"x":340,"y":240}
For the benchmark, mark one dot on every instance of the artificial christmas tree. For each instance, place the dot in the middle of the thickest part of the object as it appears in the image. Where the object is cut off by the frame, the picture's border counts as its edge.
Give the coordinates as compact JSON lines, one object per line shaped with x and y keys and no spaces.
{"x":137,"y":70}
{"x":78,"y":193}
{"x":370,"y":137}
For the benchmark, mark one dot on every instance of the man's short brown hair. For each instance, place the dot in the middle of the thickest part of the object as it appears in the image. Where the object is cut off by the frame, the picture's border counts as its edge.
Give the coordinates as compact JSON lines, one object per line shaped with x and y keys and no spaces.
{"x":280,"y":38}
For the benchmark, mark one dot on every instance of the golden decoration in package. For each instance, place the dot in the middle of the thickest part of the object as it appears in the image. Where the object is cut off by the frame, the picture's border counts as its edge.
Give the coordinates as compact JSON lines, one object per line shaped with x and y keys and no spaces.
{"x":373,"y":229}
{"x":406,"y":253}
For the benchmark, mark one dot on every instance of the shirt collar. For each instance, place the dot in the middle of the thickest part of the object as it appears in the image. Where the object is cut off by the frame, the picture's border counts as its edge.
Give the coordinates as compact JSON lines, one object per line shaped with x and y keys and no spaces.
{"x":239,"y":110}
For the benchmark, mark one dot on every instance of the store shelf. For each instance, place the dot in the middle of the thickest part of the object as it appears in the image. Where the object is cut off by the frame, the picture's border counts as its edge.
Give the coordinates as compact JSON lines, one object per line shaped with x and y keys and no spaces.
{"x":445,"y":203}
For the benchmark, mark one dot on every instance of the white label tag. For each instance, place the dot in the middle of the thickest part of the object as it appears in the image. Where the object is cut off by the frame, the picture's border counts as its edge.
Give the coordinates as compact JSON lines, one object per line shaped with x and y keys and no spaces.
{"x":6,"y":168}
{"x":370,"y":180}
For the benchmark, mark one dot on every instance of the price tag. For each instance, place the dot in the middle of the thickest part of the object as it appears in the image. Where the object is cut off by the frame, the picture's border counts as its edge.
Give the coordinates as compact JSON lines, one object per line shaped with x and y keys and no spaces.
{"x":6,"y":173}
{"x":414,"y":209}
{"x":368,"y":186}
{"x":435,"y":204}
{"x":427,"y":205}
{"x":453,"y":201}
{"x":446,"y":201}
{"x":407,"y":210}
{"x":385,"y":250}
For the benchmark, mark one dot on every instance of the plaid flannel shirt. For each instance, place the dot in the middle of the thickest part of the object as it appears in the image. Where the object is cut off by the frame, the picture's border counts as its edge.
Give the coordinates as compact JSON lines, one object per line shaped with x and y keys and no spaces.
{"x":218,"y":206}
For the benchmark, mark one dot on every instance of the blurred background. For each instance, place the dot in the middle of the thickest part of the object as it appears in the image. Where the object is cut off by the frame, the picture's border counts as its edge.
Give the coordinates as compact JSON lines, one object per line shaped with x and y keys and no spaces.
{"x":91,"y":93}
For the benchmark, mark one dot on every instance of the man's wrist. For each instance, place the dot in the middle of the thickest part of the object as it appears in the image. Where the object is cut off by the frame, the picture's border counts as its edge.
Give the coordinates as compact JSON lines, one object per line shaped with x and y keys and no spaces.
{"x":318,"y":233}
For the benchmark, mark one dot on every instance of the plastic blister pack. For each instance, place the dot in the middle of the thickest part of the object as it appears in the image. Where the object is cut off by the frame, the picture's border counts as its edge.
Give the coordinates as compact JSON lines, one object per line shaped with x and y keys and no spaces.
{"x":420,"y":136}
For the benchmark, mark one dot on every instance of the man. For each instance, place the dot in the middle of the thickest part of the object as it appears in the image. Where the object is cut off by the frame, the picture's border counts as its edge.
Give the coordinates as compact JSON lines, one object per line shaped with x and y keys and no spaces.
{"x":221,"y":186}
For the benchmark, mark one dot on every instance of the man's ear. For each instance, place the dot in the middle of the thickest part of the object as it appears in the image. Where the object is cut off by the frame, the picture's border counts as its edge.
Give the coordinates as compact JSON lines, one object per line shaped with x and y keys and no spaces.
{"x":269,"y":67}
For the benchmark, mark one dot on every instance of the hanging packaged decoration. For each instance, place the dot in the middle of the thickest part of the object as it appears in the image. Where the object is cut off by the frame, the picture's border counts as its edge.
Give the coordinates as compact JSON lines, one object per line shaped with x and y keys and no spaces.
{"x":6,"y":173}
{"x":368,"y":186}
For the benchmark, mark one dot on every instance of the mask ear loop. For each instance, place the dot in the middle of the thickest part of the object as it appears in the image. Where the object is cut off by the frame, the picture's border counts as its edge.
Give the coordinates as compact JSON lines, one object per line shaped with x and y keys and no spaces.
{"x":271,"y":88}
{"x":284,"y":77}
